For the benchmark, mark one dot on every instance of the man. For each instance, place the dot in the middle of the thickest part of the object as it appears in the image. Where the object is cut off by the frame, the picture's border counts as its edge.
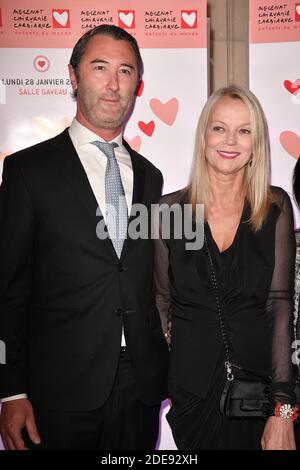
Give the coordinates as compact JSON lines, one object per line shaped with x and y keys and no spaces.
{"x":86,"y":358}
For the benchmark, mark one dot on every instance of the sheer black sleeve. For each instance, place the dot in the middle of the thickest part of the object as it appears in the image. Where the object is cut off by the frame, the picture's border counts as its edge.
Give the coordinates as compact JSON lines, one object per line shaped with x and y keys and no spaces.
{"x":280,"y":305}
{"x":161,"y":285}
{"x":161,"y":271}
{"x":297,"y":292}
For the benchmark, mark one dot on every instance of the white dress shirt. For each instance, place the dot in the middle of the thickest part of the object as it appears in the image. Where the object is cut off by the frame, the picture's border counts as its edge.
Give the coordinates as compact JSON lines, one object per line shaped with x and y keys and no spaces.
{"x":94,"y":163}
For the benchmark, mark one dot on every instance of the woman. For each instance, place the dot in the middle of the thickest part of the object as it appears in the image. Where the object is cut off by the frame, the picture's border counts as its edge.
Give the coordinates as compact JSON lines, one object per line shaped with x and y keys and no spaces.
{"x":249,"y":234}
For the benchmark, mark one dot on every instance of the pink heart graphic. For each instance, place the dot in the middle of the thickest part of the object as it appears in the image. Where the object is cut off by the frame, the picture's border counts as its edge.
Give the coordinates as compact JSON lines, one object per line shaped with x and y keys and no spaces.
{"x":135,"y":143}
{"x":41,"y":63}
{"x":166,"y":112}
{"x":292,"y":87}
{"x":4,"y":154}
{"x":147,"y":128}
{"x":291,"y":143}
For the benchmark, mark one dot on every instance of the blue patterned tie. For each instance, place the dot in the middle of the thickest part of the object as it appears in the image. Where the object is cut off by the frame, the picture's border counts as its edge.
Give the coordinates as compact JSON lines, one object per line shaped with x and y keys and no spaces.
{"x":116,"y":207}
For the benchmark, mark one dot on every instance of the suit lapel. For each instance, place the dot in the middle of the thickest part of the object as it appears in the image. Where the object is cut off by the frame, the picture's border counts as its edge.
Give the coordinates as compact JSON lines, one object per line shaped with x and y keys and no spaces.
{"x":138,"y":188}
{"x":70,"y":165}
{"x":138,"y":175}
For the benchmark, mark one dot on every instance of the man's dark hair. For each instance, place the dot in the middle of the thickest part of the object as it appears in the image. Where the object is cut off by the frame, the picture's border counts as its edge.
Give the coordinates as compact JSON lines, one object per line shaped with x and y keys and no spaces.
{"x":296,"y":182}
{"x":105,"y":30}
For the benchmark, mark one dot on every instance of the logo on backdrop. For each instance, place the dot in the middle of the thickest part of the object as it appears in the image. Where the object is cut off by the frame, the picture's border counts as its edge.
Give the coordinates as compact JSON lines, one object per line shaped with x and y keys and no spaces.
{"x":292,"y":87}
{"x":297,"y":12}
{"x":41,"y":63}
{"x":188,"y":19}
{"x":61,"y":18}
{"x":126,"y":19}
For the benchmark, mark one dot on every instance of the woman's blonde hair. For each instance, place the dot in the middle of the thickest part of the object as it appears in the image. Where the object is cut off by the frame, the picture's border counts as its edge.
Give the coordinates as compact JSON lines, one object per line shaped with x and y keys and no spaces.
{"x":256,"y":182}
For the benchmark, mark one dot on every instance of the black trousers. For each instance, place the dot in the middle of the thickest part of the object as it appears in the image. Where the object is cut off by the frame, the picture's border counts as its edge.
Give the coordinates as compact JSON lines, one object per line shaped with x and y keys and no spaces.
{"x":122,"y":423}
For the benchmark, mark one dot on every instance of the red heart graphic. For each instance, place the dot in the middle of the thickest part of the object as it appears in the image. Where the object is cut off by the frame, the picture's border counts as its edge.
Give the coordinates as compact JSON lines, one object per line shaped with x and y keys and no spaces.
{"x":41,"y":63}
{"x":292,"y":87}
{"x":148,"y":129}
{"x":140,"y":88}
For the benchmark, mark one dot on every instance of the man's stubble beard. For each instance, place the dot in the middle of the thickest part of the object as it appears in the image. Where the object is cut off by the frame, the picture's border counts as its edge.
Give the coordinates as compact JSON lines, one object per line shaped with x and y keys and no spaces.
{"x":92,"y":112}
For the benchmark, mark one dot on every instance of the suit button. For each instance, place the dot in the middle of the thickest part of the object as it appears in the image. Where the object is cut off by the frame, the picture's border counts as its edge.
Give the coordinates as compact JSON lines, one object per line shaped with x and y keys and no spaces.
{"x":118,"y":312}
{"x":122,"y":268}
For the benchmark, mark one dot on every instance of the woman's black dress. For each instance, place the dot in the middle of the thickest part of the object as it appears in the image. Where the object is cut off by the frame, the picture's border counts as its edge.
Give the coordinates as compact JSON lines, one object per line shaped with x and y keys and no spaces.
{"x":255,"y":279}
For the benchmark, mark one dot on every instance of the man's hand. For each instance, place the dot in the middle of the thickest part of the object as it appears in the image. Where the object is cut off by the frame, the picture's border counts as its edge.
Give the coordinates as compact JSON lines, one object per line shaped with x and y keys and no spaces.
{"x":278,"y":434}
{"x":15,"y":415}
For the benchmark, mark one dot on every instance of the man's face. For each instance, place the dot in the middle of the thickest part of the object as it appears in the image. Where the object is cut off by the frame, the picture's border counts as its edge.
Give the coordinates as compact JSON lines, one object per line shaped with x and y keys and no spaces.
{"x":106,"y":83}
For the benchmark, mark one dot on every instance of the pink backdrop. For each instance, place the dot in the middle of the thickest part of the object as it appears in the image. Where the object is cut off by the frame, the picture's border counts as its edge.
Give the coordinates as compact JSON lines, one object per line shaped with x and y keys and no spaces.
{"x":275,"y":79}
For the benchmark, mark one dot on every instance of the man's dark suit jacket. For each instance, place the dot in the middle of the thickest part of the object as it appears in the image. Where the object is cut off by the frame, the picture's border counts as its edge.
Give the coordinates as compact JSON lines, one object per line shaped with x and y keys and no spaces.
{"x":64,"y":293}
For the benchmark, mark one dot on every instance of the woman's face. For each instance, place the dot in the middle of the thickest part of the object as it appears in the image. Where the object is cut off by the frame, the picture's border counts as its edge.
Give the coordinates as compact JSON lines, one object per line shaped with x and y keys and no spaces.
{"x":228,"y":140}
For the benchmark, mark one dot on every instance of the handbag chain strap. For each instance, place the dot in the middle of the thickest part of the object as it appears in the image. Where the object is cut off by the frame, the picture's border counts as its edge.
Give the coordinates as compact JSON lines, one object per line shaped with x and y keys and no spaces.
{"x":228,"y":365}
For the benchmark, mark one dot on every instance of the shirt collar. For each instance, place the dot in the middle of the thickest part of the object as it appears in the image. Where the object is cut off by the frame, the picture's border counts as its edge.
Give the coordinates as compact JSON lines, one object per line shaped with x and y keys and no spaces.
{"x":82,"y":135}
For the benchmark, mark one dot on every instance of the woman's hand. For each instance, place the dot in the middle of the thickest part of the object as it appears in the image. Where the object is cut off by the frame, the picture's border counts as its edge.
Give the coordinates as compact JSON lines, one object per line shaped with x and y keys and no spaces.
{"x":278,"y":434}
{"x":168,"y":337}
{"x":167,"y":334}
